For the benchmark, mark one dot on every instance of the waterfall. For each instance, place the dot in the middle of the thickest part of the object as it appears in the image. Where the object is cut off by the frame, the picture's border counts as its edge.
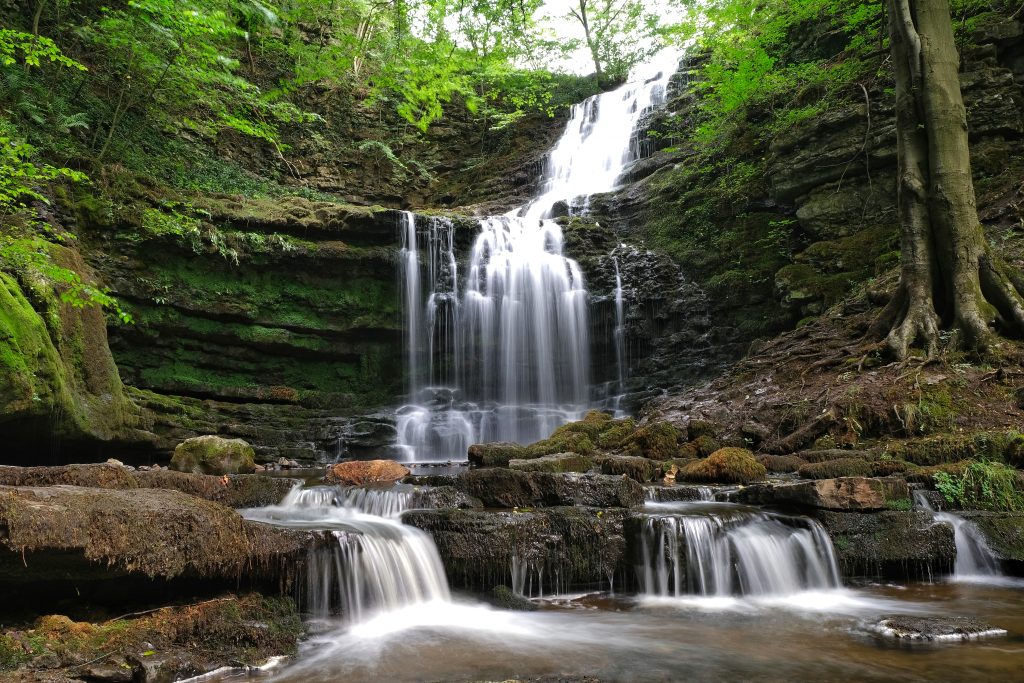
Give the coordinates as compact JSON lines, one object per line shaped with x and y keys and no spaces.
{"x":620,"y":329}
{"x":974,"y":559}
{"x":734,"y":552}
{"x":501,"y":352}
{"x":376,"y":564}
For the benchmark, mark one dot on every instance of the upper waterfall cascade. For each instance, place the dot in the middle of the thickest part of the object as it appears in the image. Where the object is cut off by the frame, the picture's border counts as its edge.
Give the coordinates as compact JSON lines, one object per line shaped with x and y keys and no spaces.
{"x":501,"y":351}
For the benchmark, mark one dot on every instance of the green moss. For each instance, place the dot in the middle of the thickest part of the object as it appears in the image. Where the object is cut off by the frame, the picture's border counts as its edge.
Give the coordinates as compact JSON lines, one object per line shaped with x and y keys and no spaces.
{"x":12,"y":653}
{"x":830,"y":469}
{"x":616,"y":433}
{"x":725,"y":466}
{"x":562,"y":442}
{"x":558,"y":462}
{"x":885,"y":468}
{"x":704,"y":445}
{"x":982,"y":485}
{"x":654,"y":440}
{"x":951,"y":448}
{"x":593,"y":424}
{"x":781,"y":463}
{"x":698,"y":428}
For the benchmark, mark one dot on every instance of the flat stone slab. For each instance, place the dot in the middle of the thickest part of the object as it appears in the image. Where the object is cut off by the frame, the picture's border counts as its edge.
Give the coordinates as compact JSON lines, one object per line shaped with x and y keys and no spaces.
{"x":843,"y":493}
{"x":935,"y":629}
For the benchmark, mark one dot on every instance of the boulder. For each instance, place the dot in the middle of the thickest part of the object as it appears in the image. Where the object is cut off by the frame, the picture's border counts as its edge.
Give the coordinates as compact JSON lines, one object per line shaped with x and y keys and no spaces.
{"x":363,"y":472}
{"x":443,"y":498}
{"x":945,"y":628}
{"x":641,"y":469}
{"x":214,"y":455}
{"x":578,"y":547}
{"x":103,"y":476}
{"x":68,"y":532}
{"x":845,"y":493}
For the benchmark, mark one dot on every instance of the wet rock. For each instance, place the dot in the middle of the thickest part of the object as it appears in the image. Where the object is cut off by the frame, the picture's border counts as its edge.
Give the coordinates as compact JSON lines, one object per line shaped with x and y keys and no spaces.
{"x":755,"y":431}
{"x":504,"y":597}
{"x":67,"y":532}
{"x":895,"y":544}
{"x":371,"y":434}
{"x":556,"y":462}
{"x":444,"y":498}
{"x":576,"y":547}
{"x":677,"y":494}
{"x":498,"y":487}
{"x":845,"y":493}
{"x":1004,"y":533}
{"x":214,"y":455}
{"x":497,"y":454}
{"x":363,"y":472}
{"x":946,"y":628}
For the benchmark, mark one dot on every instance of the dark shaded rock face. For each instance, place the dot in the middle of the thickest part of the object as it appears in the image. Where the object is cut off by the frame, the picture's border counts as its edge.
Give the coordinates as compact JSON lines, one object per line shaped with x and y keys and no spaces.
{"x":497,"y":487}
{"x":890,"y":544}
{"x":845,"y":493}
{"x":1004,"y":533}
{"x":563,"y":548}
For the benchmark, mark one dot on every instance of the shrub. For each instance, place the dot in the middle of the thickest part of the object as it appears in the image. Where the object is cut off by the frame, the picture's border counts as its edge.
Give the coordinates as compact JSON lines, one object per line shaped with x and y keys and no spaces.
{"x":654,"y":440}
{"x":982,"y":485}
{"x":830,"y":469}
{"x":782,"y":463}
{"x":725,"y":466}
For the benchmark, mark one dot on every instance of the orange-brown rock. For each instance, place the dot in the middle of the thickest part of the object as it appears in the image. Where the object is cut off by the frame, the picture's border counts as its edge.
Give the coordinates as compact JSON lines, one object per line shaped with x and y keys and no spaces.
{"x":362,"y":472}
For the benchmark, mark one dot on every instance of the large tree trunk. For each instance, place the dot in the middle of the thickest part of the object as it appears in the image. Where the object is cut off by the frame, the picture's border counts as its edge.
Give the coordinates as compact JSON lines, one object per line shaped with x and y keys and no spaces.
{"x":947,"y":276}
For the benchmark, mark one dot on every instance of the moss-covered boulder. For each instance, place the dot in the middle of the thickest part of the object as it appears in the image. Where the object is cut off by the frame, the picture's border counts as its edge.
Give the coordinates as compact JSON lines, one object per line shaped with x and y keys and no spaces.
{"x":703,"y":446}
{"x":59,"y":386}
{"x":655,"y":441}
{"x":634,"y":467}
{"x":781,"y":463}
{"x":616,"y":433}
{"x":831,"y":469}
{"x":214,"y":455}
{"x":556,"y":462}
{"x":496,"y":454}
{"x":725,"y":466}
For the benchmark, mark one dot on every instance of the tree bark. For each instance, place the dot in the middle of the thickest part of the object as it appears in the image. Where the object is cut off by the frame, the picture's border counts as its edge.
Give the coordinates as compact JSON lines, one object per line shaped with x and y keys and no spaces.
{"x":947,"y":271}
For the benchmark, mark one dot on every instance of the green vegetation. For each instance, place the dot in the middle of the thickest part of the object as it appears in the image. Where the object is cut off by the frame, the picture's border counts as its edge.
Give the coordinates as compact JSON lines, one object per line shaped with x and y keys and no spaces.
{"x":982,"y":485}
{"x":831,"y":469}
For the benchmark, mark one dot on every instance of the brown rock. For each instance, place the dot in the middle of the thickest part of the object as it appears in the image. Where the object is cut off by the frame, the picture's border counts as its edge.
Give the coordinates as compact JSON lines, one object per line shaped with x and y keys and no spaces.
{"x":844,"y":493}
{"x":362,"y":472}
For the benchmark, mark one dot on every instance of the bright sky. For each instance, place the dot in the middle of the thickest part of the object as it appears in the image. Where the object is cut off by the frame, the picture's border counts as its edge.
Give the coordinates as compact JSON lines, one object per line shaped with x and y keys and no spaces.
{"x":554,"y":14}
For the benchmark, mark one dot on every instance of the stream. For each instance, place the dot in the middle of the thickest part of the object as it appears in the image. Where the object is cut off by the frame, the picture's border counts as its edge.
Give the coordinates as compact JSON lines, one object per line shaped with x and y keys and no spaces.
{"x":763,"y":603}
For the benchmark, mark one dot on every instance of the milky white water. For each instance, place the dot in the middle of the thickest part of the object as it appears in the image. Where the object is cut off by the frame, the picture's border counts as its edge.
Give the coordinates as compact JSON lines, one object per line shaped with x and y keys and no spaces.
{"x":501,"y":351}
{"x":975,"y":562}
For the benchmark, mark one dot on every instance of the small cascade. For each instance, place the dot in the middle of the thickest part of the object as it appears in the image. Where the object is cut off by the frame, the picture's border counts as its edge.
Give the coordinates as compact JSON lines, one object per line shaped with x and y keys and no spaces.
{"x":974,"y":559}
{"x":620,"y":330}
{"x":501,"y":352}
{"x":377,"y":564}
{"x":732,"y":551}
{"x":678,"y":493}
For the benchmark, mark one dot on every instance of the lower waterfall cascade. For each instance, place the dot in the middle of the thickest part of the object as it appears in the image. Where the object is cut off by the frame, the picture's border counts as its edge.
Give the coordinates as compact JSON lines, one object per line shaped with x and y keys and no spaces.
{"x":974,"y":559}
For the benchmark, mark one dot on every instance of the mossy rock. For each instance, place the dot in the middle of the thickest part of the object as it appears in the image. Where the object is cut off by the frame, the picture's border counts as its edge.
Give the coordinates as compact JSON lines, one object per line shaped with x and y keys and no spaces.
{"x":634,"y":467}
{"x":886,"y":468}
{"x":616,"y":433}
{"x":781,"y":463}
{"x":833,"y":469}
{"x":654,"y":440}
{"x":705,"y":445}
{"x":951,"y":448}
{"x":214,"y":455}
{"x":566,"y":441}
{"x":725,"y":466}
{"x":698,"y":428}
{"x":496,"y":454}
{"x":556,"y":462}
{"x":593,"y":424}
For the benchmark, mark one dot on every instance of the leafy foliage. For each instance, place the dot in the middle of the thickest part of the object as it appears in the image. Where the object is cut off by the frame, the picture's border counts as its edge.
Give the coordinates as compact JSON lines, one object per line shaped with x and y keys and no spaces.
{"x":982,"y":485}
